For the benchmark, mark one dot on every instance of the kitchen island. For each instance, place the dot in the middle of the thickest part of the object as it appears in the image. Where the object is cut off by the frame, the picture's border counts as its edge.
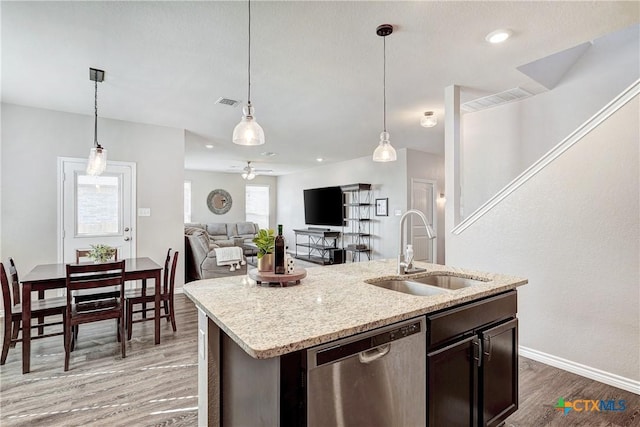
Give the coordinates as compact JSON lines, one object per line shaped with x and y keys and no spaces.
{"x":270,"y":329}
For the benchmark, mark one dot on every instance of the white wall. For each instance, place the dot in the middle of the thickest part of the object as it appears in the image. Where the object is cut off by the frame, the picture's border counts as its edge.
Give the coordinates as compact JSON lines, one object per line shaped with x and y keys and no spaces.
{"x":573,"y":231}
{"x":387,"y":180}
{"x":203,"y":182}
{"x":501,"y":142}
{"x":492,"y":153}
{"x":33,"y":138}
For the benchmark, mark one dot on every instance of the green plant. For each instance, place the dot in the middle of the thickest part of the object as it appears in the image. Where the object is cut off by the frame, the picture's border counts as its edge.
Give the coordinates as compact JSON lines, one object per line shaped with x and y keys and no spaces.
{"x":265,"y":241}
{"x":101,"y":253}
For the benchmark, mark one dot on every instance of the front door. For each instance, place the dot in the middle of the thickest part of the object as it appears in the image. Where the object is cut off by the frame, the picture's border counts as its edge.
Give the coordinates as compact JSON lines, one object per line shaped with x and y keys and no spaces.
{"x":95,"y":209}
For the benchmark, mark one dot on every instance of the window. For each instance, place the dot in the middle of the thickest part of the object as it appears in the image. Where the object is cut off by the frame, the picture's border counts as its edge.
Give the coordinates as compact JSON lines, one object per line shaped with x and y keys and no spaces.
{"x":257,"y":204}
{"x":98,"y":205}
{"x":187,"y":201}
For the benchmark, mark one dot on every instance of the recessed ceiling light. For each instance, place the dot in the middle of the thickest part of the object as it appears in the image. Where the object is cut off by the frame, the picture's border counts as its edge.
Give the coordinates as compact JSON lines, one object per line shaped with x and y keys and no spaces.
{"x":319,"y":159}
{"x":268,"y":153}
{"x":498,"y":36}
{"x":209,"y":146}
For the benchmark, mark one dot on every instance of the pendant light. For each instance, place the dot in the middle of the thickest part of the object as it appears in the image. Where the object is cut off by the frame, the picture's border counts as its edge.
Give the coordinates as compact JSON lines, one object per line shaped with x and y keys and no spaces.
{"x":385,"y":151}
{"x":98,"y":156}
{"x":248,"y":131}
{"x":248,"y":172}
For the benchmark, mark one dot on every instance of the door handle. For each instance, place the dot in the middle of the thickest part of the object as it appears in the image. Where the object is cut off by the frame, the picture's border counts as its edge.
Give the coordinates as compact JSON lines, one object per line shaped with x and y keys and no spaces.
{"x":126,"y":239}
{"x":477,"y":351}
{"x":126,"y":229}
{"x":369,"y":356}
{"x":487,"y":347}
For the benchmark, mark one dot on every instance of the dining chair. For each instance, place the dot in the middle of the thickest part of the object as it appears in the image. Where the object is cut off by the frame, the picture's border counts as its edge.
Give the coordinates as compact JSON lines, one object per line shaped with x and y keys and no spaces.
{"x":84,"y":253}
{"x":41,"y":309}
{"x":139,"y":297}
{"x":91,"y":296}
{"x":94,"y":277}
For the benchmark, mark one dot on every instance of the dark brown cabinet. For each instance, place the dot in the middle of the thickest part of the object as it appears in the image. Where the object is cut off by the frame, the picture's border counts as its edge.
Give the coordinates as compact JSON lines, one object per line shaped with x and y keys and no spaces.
{"x":472,"y":363}
{"x":451,"y":385}
{"x":499,"y":372}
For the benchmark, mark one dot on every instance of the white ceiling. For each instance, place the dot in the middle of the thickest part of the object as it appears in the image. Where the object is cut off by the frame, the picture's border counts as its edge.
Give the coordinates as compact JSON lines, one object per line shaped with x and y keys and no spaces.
{"x":316,"y":66}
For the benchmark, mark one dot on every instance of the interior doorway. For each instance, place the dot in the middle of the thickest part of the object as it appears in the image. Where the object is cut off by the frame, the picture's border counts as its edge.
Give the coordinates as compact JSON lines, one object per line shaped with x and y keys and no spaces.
{"x":423,"y":199}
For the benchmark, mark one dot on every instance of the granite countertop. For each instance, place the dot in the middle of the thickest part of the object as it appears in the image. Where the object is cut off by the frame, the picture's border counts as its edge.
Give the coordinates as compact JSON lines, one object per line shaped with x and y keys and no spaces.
{"x":332,"y":302}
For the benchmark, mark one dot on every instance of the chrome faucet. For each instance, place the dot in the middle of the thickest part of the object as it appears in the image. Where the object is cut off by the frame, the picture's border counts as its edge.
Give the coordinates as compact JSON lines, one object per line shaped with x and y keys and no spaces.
{"x":405,"y":266}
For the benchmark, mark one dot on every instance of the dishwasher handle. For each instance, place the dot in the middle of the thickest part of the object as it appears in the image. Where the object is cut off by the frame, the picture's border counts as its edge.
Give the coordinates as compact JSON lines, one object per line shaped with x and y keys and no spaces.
{"x":374,"y":354}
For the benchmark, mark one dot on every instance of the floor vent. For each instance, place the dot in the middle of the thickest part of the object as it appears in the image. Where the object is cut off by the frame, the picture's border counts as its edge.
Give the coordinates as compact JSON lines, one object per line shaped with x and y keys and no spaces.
{"x":496,"y":99}
{"x":227,"y":101}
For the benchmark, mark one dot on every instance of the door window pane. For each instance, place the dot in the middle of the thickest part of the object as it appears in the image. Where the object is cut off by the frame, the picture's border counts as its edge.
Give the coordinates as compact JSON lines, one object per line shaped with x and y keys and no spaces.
{"x":257,"y":205}
{"x":98,"y":205}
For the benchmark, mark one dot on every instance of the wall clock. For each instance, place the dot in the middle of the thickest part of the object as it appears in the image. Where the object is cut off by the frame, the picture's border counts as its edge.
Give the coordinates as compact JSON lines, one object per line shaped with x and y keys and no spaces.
{"x":219,"y":201}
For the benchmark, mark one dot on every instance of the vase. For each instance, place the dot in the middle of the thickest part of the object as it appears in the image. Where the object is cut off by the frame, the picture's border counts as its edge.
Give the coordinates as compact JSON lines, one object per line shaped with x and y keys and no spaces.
{"x":265,"y":263}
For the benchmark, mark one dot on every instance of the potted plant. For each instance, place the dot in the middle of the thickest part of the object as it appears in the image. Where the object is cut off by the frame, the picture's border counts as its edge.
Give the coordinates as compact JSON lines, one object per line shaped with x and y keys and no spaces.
{"x":265,"y":241}
{"x":101,"y":253}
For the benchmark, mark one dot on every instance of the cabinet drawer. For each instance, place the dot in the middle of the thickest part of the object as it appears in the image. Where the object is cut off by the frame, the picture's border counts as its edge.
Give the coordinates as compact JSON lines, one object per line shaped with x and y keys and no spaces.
{"x":457,"y":321}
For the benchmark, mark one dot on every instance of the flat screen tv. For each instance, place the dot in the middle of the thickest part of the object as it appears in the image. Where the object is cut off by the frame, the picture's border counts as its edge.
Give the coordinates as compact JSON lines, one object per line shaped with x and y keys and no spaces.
{"x":323,"y":206}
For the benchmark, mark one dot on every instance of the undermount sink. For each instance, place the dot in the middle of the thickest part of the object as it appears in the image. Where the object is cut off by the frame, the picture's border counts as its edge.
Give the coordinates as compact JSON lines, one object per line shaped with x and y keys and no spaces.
{"x":447,"y":282}
{"x":409,"y":287}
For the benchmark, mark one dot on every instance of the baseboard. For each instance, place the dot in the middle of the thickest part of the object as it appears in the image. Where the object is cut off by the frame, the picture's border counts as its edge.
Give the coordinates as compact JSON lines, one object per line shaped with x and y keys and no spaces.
{"x":585,"y":371}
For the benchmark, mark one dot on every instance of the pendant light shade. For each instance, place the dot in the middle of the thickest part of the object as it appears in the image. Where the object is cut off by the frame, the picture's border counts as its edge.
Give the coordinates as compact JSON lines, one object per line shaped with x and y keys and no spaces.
{"x":97,"y":161}
{"x":385,"y":151}
{"x":98,"y":155}
{"x":248,"y":131}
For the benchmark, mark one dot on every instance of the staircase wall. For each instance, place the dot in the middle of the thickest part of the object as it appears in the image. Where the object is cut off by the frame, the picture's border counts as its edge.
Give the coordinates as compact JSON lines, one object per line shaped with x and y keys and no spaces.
{"x":573,"y":230}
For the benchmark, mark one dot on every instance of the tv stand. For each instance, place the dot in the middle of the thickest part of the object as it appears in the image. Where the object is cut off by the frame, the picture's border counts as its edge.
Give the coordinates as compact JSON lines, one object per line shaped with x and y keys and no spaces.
{"x":321,"y":244}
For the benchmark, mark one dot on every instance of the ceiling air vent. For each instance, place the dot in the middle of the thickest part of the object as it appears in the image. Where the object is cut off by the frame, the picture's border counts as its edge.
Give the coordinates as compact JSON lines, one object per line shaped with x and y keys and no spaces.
{"x":227,"y":101}
{"x":496,"y":99}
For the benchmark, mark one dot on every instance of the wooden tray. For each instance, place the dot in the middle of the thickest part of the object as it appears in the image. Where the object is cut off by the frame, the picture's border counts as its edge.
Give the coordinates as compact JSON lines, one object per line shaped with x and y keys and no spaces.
{"x":269,"y":277}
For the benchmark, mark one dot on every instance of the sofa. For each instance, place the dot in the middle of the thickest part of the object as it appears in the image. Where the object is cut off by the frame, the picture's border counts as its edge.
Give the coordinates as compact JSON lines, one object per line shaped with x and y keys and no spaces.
{"x":228,"y":234}
{"x":201,"y":261}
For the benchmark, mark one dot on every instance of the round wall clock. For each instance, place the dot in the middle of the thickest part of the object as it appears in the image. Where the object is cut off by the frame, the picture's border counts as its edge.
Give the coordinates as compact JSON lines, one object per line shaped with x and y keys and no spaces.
{"x":219,"y":201}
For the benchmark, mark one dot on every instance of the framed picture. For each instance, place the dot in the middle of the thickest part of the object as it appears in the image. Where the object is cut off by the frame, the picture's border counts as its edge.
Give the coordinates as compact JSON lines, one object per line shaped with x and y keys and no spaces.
{"x":382,"y":207}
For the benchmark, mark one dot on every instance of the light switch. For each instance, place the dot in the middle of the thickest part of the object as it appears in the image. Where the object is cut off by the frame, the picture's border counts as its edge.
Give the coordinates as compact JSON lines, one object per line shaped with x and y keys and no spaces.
{"x":398,"y":212}
{"x":144,"y":211}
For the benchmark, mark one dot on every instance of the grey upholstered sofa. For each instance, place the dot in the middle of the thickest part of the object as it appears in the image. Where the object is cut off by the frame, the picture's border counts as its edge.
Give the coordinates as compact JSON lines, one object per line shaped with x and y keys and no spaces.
{"x":228,"y":234}
{"x":201,"y":261}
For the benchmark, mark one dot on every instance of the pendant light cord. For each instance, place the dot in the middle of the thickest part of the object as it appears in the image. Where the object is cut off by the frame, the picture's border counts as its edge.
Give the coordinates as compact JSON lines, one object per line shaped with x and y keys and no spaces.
{"x":384,"y":82}
{"x":95,"y":122}
{"x":249,"y":63}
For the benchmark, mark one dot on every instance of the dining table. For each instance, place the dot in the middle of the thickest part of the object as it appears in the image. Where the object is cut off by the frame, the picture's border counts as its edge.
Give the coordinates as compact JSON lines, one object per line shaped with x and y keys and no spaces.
{"x":44,"y":277}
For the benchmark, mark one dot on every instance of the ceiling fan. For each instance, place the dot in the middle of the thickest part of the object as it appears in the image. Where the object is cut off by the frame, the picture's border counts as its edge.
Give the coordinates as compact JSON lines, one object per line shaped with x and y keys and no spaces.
{"x":249,"y":172}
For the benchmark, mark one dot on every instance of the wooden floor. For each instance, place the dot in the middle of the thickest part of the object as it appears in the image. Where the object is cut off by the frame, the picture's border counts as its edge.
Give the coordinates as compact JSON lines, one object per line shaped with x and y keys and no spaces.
{"x":153,"y":385}
{"x":157,"y":385}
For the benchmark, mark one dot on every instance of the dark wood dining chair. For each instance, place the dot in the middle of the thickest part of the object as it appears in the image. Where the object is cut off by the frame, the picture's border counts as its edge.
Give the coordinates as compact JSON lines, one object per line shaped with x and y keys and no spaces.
{"x":41,"y":309}
{"x":91,"y":296}
{"x":139,"y":297}
{"x":94,"y":277}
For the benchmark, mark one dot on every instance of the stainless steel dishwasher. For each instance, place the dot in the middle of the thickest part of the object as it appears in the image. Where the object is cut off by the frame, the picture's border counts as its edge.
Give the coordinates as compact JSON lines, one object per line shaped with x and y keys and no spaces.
{"x":377,"y":378}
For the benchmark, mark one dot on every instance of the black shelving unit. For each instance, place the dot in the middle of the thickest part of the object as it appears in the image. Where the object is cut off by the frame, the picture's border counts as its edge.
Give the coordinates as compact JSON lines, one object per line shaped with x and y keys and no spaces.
{"x":321,"y":245}
{"x":356,"y":234}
